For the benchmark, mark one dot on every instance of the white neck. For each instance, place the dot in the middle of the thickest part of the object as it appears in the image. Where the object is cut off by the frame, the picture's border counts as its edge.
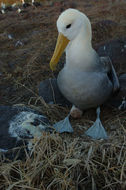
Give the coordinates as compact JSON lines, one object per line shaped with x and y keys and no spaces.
{"x":79,"y":52}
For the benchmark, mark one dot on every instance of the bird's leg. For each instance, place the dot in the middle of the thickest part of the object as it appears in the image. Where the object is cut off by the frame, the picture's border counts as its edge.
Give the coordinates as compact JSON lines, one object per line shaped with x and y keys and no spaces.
{"x":97,"y":131}
{"x":75,"y":112}
{"x":63,"y":126}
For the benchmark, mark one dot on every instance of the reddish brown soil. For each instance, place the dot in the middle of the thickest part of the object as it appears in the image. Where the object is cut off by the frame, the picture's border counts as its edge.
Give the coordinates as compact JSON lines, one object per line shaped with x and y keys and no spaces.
{"x":28,"y":64}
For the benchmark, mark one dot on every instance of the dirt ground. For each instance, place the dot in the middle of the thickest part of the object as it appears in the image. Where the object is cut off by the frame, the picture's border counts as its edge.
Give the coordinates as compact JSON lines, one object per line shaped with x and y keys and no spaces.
{"x":24,"y":59}
{"x":27,"y":41}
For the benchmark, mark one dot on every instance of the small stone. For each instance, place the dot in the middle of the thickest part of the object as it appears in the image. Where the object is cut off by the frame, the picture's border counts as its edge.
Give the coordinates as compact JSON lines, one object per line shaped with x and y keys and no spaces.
{"x":2,"y":11}
{"x":19,"y":10}
{"x":10,"y":37}
{"x":18,"y":43}
{"x":13,"y":5}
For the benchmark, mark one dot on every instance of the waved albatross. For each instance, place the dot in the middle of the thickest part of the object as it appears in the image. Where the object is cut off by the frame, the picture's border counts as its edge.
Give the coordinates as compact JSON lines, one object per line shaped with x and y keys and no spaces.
{"x":86,"y":80}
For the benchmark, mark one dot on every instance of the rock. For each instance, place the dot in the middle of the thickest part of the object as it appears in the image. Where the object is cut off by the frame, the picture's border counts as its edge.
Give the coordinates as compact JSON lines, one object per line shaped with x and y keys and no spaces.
{"x":36,"y":4}
{"x":49,"y":91}
{"x":10,"y":37}
{"x":119,"y":99}
{"x":116,"y":50}
{"x":9,"y":8}
{"x":18,"y":124}
{"x":18,"y":43}
{"x":25,"y":5}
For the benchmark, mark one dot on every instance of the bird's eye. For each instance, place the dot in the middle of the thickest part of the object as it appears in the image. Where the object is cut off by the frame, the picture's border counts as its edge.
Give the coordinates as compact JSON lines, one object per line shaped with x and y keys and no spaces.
{"x":68,"y":26}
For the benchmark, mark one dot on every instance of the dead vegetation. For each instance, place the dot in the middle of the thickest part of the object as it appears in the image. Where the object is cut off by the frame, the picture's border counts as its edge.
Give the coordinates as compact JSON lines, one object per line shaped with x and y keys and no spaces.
{"x":65,"y":162}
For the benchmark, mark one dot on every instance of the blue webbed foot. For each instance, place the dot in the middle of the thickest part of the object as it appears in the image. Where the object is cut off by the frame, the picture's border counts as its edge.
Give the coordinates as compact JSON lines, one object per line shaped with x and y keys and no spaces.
{"x":97,"y":131}
{"x":63,"y":126}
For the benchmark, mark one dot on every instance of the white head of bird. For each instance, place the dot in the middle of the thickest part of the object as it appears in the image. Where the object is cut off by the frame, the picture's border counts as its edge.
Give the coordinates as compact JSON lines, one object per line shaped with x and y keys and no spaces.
{"x":74,"y":37}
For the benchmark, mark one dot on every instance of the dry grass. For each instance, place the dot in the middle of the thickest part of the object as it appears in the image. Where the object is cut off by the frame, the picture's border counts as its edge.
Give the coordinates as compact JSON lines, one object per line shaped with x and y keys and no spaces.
{"x":66,"y":161}
{"x":61,"y":162}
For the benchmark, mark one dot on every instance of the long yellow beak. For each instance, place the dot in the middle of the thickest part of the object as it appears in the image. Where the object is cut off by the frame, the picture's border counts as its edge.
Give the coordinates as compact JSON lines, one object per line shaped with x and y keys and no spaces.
{"x":61,"y":44}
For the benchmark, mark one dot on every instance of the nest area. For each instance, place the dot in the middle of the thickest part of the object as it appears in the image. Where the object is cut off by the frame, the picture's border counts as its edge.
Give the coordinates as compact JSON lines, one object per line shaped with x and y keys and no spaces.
{"x":67,"y":161}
